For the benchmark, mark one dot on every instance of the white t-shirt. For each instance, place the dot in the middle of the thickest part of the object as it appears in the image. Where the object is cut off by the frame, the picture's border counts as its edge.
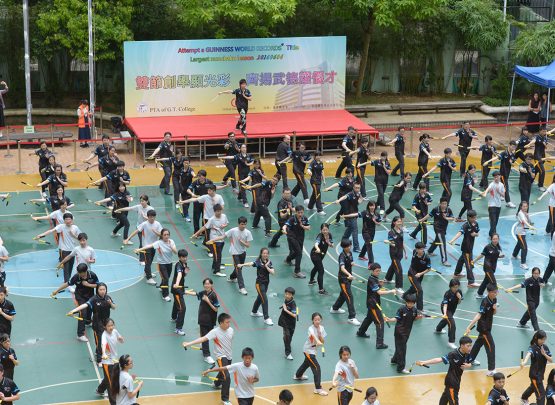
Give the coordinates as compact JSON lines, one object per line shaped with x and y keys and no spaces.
{"x":320,"y":333}
{"x":67,"y":236}
{"x":209,"y":203}
{"x":522,"y":219}
{"x":125,"y":386}
{"x":495,"y":193}
{"x":147,"y":230}
{"x":345,"y":375}
{"x":141,"y":212}
{"x":58,"y":216}
{"x":110,"y":346}
{"x":376,"y":402}
{"x":222,"y":341}
{"x":234,"y":235}
{"x":82,"y":254}
{"x":243,"y":388}
{"x":3,"y":252}
{"x":551,"y":191}
{"x":164,"y":251}
{"x":215,"y":225}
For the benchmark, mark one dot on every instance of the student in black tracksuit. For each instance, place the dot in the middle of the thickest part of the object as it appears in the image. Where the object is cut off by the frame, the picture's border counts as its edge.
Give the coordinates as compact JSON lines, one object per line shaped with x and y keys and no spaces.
{"x":242,"y":98}
{"x":540,"y":355}
{"x":399,"y":145}
{"x":374,"y":315}
{"x":470,"y":231}
{"x":424,"y":154}
{"x":458,"y":360}
{"x":491,"y":253}
{"x":404,"y":319}
{"x":360,"y":164}
{"x":100,"y":305}
{"x":550,"y":389}
{"x":533,"y":287}
{"x":186,"y":179}
{"x":244,"y":163}
{"x":441,"y":214}
{"x":523,"y":142}
{"x":165,"y":150}
{"x":231,"y":147}
{"x":284,"y":212}
{"x":467,"y":189}
{"x":420,"y":205}
{"x":177,"y":289}
{"x":465,"y":135}
{"x":419,"y":266}
{"x":288,"y":320}
{"x":345,"y":185}
{"x":539,"y":156}
{"x":264,"y":192}
{"x":283,"y":153}
{"x":484,"y":318}
{"x":451,"y":300}
{"x":446,"y":167}
{"x":207,"y":314}
{"x":176,"y":163}
{"x":316,"y":172}
{"x":256,"y":175}
{"x":264,"y":268}
{"x":324,"y":240}
{"x":345,"y":278}
{"x":196,"y":189}
{"x":369,"y":220}
{"x":295,"y":228}
{"x":488,"y":151}
{"x":300,"y":159}
{"x":396,"y":195}
{"x":527,"y":176}
{"x":347,"y":148}
{"x":396,"y":252}
{"x":381,"y":177}
{"x":498,"y":395}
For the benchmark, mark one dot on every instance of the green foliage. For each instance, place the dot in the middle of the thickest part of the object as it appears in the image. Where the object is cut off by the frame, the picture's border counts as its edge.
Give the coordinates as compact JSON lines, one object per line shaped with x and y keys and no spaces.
{"x":536,"y":44}
{"x":503,"y":102}
{"x":221,"y":18}
{"x":62,"y":24}
{"x":500,"y":82}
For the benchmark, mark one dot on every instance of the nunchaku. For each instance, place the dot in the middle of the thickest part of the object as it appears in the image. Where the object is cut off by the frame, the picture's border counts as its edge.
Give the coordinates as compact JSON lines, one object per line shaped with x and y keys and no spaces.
{"x":521,"y":358}
{"x":348,"y":387}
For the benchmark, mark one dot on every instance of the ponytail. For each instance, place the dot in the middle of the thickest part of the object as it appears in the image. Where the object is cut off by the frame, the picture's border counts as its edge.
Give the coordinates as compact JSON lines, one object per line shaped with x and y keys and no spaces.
{"x":116,"y":371}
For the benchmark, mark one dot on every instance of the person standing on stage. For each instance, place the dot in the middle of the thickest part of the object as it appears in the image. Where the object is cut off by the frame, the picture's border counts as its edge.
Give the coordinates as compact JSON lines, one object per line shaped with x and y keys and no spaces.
{"x":165,"y":150}
{"x":284,"y":211}
{"x":283,"y":153}
{"x":495,"y":194}
{"x":2,"y":104}
{"x":242,"y":98}
{"x":84,"y":123}
{"x":348,"y":147}
{"x":399,"y":144}
{"x":295,"y":228}
{"x":231,"y":148}
{"x":465,"y":135}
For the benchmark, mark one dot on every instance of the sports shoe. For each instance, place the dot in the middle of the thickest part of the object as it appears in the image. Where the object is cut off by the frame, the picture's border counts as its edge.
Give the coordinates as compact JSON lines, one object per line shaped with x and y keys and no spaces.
{"x":150,"y":281}
{"x":312,"y":282}
{"x":440,"y":332}
{"x":542,"y":188}
{"x":321,"y":213}
{"x":257,"y":314}
{"x":173,"y":320}
{"x":432,"y":254}
{"x":382,"y":346}
{"x":404,"y":371}
{"x":115,"y":235}
{"x":363,"y":258}
{"x":246,"y":205}
{"x":323,"y":292}
{"x":300,"y":274}
{"x":321,"y":392}
{"x":187,"y":218}
{"x":452,"y":345}
{"x":210,"y":254}
{"x":510,"y":205}
{"x":382,"y":212}
{"x":301,"y":378}
{"x":219,"y":274}
{"x":101,"y":394}
{"x":363,"y":335}
{"x":226,"y":402}
{"x":473,"y":285}
{"x":446,"y":264}
{"x":400,"y":291}
{"x":490,"y":373}
{"x":129,"y":242}
{"x":82,"y":338}
{"x":476,"y":363}
{"x":180,"y":332}
{"x":289,"y":357}
{"x":230,"y":280}
{"x":337,"y":311}
{"x":524,"y":402}
{"x":142,"y":263}
{"x":209,"y":360}
{"x":386,"y":281}
{"x":479,"y":297}
{"x":521,"y":326}
{"x":354,"y":321}
{"x":269,"y":322}
{"x":177,"y":206}
{"x":167,"y":299}
{"x":306,"y":202}
{"x":524,"y":266}
{"x":243,"y":291}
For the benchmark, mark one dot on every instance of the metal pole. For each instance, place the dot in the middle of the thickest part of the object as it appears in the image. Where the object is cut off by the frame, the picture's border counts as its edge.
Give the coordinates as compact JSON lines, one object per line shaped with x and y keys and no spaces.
{"x":548,"y":106}
{"x":510,"y":104}
{"x":92,"y":101}
{"x":186,"y":146}
{"x":27,"y":59}
{"x":8,"y":154}
{"x":411,"y":142}
{"x":504,"y":10}
{"x":101,"y":123}
{"x":135,"y":152}
{"x":75,"y":169}
{"x":52,"y":137}
{"x":19,"y":171}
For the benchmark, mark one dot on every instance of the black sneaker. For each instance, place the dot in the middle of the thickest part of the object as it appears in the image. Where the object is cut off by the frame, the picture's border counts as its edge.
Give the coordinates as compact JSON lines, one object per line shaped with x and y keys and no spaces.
{"x":382,"y":346}
{"x":363,"y":335}
{"x":323,"y":292}
{"x":312,"y":282}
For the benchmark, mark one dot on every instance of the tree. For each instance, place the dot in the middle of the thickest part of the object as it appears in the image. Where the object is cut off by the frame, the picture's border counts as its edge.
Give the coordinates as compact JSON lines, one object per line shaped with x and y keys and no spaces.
{"x":479,"y":26}
{"x":536,"y":44}
{"x":224,"y":18}
{"x":385,"y":14}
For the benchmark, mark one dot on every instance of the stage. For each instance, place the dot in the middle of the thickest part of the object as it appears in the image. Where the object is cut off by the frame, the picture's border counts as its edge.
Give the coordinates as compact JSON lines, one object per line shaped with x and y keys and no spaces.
{"x":259,"y":125}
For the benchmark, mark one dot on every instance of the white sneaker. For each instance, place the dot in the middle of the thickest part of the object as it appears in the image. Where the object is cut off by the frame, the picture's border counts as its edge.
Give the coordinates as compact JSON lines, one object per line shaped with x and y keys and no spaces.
{"x":510,"y":205}
{"x":524,"y":402}
{"x":388,"y":281}
{"x":142,"y":263}
{"x":321,"y":392}
{"x":210,"y":254}
{"x":269,"y":322}
{"x":400,"y":291}
{"x":180,"y":332}
{"x":167,"y":299}
{"x":257,"y":314}
{"x":229,"y":280}
{"x":490,"y":373}
{"x":440,"y":332}
{"x":246,"y":205}
{"x":354,"y":321}
{"x":479,"y":297}
{"x":289,"y":357}
{"x":382,"y":212}
{"x":452,"y":345}
{"x":71,"y":288}
{"x":405,"y":371}
{"x":321,"y":213}
{"x":404,"y":229}
{"x":337,"y":311}
{"x":524,"y":266}
{"x":542,"y":188}
{"x":114,"y":235}
{"x":306,"y":202}
{"x":243,"y":291}
{"x":154,"y":275}
{"x":226,"y":403}
{"x":476,"y":363}
{"x":151,"y":281}
{"x":177,"y":206}
{"x":209,"y":360}
{"x":82,"y":338}
{"x":187,"y":219}
{"x":220,"y":274}
{"x":128,"y":243}
{"x":301,"y":378}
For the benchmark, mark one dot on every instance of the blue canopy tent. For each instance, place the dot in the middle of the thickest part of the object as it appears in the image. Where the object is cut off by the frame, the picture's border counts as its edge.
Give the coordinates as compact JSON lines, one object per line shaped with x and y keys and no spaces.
{"x":541,"y":75}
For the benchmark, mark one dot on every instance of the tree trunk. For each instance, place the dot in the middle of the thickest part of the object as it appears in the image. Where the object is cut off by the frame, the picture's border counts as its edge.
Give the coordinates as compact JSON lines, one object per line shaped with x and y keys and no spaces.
{"x":367,"y":37}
